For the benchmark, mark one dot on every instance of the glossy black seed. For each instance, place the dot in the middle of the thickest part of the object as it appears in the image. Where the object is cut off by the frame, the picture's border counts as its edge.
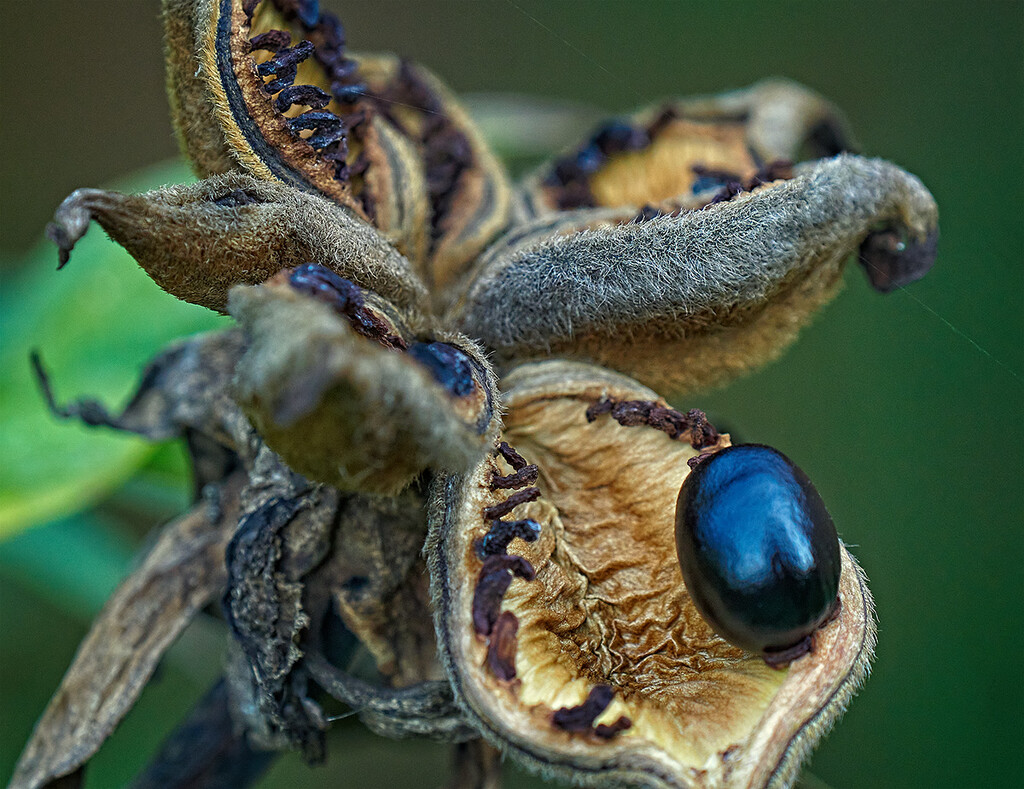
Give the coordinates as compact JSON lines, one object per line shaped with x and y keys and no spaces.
{"x":757,"y":548}
{"x":450,"y":367}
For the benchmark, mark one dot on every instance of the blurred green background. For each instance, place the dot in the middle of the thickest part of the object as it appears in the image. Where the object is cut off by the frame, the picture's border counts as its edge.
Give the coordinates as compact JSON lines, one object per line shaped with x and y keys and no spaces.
{"x":906,"y":410}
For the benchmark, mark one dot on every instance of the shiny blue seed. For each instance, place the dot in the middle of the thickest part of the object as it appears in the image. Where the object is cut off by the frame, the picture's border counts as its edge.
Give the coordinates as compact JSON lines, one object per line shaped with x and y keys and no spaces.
{"x":757,"y":548}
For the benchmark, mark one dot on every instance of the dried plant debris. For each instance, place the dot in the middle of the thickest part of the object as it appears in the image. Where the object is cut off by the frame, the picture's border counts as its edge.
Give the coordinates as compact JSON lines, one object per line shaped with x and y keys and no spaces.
{"x":419,"y":452}
{"x":182,"y":573}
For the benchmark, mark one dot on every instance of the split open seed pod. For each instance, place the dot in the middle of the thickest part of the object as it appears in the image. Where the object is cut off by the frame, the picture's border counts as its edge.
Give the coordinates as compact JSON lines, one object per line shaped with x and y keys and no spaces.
{"x":687,"y":153}
{"x":377,"y":135}
{"x":567,"y":631}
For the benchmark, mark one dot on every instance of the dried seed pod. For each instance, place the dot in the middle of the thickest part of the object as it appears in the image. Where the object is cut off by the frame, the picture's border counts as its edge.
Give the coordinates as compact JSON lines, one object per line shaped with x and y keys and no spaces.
{"x":686,"y":301}
{"x":680,"y":245}
{"x":377,"y":135}
{"x":580,"y":652}
{"x":339,"y":386}
{"x":199,"y":240}
{"x":688,"y":153}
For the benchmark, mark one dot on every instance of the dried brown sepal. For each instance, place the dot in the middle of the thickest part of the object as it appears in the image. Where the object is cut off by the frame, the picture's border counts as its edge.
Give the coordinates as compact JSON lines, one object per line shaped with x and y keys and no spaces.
{"x":182,"y":573}
{"x":199,"y":240}
{"x":683,"y":302}
{"x":688,"y":153}
{"x":617,"y":677}
{"x":377,"y":135}
{"x":276,"y":544}
{"x":374,"y":580}
{"x":182,"y":393}
{"x":347,"y":410}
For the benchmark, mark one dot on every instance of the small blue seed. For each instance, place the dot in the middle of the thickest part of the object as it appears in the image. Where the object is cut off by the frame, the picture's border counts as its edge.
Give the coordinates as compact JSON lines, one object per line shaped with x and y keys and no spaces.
{"x":449,"y":366}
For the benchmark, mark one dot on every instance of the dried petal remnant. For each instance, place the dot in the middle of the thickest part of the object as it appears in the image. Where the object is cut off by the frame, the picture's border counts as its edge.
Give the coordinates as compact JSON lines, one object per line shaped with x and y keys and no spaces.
{"x":183,"y":572}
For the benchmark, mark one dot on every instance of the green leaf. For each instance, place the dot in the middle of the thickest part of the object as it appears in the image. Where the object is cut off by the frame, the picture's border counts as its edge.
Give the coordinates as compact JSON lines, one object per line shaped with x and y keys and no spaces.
{"x":96,"y":324}
{"x":73,"y":563}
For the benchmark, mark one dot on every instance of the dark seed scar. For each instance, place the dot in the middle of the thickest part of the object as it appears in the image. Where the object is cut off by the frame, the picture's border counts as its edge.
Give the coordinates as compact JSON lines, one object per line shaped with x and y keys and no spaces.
{"x":581,"y":717}
{"x":492,"y":583}
{"x":501,"y":651}
{"x":631,"y":413}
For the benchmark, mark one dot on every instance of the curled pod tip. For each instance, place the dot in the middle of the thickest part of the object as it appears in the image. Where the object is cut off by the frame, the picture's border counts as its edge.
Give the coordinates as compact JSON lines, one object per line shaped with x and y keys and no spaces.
{"x":340,"y":386}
